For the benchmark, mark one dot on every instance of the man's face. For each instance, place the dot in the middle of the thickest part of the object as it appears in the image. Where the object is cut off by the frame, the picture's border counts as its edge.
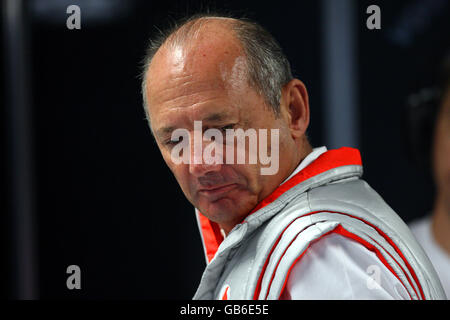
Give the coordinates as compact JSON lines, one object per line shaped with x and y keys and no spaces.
{"x":209,"y":84}
{"x":441,"y":156}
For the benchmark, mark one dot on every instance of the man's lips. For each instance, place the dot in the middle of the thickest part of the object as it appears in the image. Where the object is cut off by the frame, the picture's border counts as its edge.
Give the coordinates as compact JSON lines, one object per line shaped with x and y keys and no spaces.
{"x":214,"y":192}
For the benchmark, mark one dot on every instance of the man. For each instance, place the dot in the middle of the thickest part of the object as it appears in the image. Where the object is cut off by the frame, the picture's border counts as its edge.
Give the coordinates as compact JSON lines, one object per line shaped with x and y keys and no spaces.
{"x":310,"y":229}
{"x":432,"y":231}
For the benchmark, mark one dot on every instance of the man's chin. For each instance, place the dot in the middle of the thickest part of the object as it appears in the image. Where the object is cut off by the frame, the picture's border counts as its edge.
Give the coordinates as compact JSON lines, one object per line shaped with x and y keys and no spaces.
{"x":223,"y":210}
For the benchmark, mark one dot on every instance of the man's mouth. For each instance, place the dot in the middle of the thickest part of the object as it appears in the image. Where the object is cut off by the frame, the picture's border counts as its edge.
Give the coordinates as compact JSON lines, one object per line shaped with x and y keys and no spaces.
{"x":215,"y":192}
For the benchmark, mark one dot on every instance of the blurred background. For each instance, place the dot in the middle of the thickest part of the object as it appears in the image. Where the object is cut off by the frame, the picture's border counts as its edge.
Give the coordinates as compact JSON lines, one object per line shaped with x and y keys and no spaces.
{"x":84,"y":184}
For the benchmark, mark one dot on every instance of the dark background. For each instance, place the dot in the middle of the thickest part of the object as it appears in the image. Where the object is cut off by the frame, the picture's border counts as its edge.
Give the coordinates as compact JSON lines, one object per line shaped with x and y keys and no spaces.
{"x":103,"y":197}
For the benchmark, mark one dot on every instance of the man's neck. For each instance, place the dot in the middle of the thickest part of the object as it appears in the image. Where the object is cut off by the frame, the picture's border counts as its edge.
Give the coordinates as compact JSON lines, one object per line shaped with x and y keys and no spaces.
{"x":305,"y":151}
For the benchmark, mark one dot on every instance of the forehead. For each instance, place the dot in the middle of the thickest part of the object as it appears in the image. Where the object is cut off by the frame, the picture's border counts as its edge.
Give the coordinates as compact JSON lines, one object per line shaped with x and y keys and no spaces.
{"x":211,"y":57}
{"x":191,"y":76}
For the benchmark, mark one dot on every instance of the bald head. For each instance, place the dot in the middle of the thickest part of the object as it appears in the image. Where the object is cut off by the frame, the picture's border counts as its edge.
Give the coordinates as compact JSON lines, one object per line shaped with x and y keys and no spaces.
{"x":206,"y":45}
{"x":204,"y":51}
{"x":198,"y":29}
{"x":217,"y":39}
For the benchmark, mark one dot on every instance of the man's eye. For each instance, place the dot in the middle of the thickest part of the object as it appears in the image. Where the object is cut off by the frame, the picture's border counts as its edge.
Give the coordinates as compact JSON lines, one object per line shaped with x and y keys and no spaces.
{"x":171,"y":142}
{"x":230,"y":126}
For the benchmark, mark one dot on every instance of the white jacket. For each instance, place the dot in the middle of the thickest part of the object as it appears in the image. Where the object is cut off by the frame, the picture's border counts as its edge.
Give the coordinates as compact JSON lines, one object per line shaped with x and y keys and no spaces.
{"x":325,"y":199}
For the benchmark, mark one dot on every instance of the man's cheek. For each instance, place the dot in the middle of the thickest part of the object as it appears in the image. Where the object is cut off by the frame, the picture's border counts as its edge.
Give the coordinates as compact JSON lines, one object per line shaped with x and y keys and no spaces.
{"x":183,"y":178}
{"x":168,"y":159}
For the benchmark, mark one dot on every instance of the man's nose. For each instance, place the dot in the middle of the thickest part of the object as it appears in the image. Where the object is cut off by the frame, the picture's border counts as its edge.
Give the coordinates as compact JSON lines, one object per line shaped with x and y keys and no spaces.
{"x":202,"y":169}
{"x":200,"y":164}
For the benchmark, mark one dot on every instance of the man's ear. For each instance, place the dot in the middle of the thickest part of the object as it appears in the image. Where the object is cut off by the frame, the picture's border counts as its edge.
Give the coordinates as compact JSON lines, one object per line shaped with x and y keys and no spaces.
{"x":296,"y":107}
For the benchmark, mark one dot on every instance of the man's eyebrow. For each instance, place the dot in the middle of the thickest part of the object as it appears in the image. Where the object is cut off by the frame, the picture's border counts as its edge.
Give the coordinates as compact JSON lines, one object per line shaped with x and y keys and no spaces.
{"x":218,"y":116}
{"x":164,"y":131}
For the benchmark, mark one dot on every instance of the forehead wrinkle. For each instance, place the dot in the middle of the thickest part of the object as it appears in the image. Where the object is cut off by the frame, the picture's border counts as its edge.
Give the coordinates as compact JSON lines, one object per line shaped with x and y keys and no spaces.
{"x":188,"y":94}
{"x":173,"y":105}
{"x":195,"y":109}
{"x":192,"y":88}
